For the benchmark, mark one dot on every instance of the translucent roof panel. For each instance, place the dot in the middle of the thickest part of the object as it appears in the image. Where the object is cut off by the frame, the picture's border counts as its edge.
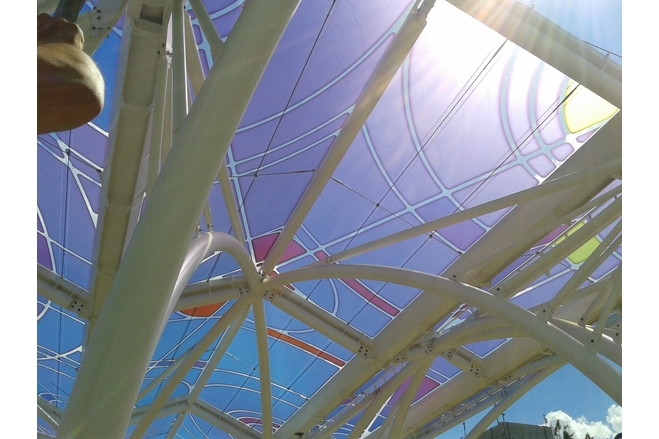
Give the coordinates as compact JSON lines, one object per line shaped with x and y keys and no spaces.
{"x":326,"y":219}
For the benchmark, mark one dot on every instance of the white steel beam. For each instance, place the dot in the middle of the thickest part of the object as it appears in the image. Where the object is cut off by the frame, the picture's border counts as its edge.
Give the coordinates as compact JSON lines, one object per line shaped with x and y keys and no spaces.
{"x":372,"y":399}
{"x":596,"y":369}
{"x":520,"y":197}
{"x":520,"y":244}
{"x":464,"y":396}
{"x":111,"y":371}
{"x":606,"y":346}
{"x":552,"y":44}
{"x":188,"y":362}
{"x":230,"y":202}
{"x":320,"y":320}
{"x":222,"y":421}
{"x":209,"y":368}
{"x":604,"y":146}
{"x":43,"y":409}
{"x":207,"y":27}
{"x":406,"y":400}
{"x":571,"y":240}
{"x":211,"y":292}
{"x":415,"y":320}
{"x":62,"y":292}
{"x":602,"y":252}
{"x":384,"y":73}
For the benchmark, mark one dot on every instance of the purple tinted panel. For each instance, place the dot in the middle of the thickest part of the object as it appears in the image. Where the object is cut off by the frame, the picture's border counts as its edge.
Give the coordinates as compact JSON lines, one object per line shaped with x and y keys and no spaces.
{"x":359,"y":170}
{"x":519,"y":111}
{"x":225,"y":22}
{"x":91,"y":144}
{"x":541,"y":293}
{"x":43,"y":253}
{"x":611,"y":262}
{"x":427,"y":386}
{"x":436,"y":209}
{"x":542,"y":165}
{"x":417,"y":184}
{"x":433,"y":257}
{"x":196,"y":29}
{"x":284,"y":69}
{"x":463,"y":235}
{"x":51,"y":179}
{"x":505,"y":182}
{"x":327,"y":223}
{"x":433,"y":86}
{"x":271,"y":199}
{"x":353,"y":28}
{"x":444,"y":368}
{"x":483,"y":348}
{"x":295,"y":158}
{"x":80,"y":229}
{"x":582,"y":138}
{"x":370,"y":320}
{"x":562,"y":152}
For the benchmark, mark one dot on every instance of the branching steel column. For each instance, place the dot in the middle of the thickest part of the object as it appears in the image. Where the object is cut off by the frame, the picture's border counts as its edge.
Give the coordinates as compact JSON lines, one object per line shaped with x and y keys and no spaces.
{"x":111,"y":372}
{"x":385,"y":72}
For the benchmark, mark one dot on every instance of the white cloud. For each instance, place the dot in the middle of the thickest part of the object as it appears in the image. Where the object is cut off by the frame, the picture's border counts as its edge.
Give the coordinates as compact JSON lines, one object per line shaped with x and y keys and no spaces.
{"x":597,"y":430}
{"x":614,"y":417}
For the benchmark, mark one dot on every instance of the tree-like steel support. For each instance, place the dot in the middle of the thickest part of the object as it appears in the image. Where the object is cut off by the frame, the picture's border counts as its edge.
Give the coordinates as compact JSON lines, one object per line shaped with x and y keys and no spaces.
{"x":113,"y":368}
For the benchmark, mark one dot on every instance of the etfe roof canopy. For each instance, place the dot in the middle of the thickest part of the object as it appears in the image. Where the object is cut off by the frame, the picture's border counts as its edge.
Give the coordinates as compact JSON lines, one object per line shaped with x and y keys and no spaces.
{"x":327,"y":219}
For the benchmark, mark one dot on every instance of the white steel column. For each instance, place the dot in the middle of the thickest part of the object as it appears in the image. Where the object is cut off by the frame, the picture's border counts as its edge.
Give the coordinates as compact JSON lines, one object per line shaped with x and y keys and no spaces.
{"x":111,"y":372}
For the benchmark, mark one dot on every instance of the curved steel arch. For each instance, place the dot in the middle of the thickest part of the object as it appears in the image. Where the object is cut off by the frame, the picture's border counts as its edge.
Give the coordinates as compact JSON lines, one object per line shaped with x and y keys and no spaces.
{"x":585,"y":360}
